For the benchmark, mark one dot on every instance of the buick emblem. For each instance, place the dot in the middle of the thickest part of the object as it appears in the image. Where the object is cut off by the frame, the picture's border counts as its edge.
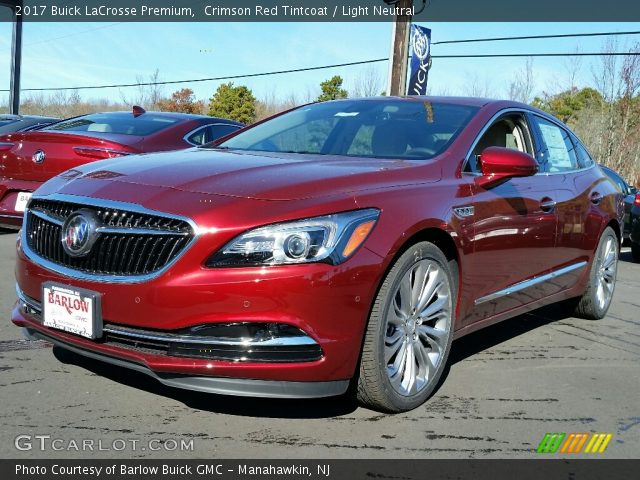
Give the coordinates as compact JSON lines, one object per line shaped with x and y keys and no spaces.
{"x":38,"y":156}
{"x":421,"y":45}
{"x":79,"y":233}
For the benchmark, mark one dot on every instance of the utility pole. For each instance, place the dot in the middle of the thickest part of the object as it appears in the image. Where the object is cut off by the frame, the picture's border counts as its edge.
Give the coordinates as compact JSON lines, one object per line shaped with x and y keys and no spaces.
{"x":399,"y":51}
{"x":16,"y":56}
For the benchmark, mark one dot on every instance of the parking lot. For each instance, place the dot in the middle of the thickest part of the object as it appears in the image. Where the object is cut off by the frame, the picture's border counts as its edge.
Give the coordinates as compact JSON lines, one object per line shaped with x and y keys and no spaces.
{"x":507,"y":386}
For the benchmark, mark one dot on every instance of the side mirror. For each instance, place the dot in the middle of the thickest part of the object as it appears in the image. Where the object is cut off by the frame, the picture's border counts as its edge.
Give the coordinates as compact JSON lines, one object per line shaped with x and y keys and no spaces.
{"x":499,"y":164}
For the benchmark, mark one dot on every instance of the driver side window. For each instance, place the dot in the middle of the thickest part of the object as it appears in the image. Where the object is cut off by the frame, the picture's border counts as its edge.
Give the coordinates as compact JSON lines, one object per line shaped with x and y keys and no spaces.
{"x":509,"y":131}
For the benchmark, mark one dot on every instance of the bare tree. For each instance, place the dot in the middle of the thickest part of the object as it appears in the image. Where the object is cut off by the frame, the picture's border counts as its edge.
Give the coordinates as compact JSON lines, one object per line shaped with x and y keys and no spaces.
{"x":367,"y":83}
{"x":573,"y":65}
{"x":474,"y":87}
{"x":521,"y":87}
{"x":147,"y":93}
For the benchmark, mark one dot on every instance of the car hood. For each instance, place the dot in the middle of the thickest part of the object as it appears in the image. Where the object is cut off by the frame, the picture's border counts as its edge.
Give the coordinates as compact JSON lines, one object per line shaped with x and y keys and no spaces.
{"x":264,"y":176}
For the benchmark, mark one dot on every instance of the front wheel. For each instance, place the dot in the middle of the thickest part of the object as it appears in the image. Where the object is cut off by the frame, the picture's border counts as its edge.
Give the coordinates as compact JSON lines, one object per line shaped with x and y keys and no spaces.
{"x":595,"y":302}
{"x":410,"y":331}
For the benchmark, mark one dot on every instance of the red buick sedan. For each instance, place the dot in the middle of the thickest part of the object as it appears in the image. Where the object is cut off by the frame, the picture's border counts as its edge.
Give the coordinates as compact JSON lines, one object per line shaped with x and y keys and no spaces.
{"x":339,"y":243}
{"x":27,"y":159}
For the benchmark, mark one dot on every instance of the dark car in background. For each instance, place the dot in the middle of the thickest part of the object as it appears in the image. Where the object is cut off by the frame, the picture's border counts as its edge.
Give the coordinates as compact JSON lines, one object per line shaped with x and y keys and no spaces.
{"x":635,"y":228}
{"x":340,"y":243}
{"x":630,"y":197}
{"x":28,"y":159}
{"x":23,"y":123}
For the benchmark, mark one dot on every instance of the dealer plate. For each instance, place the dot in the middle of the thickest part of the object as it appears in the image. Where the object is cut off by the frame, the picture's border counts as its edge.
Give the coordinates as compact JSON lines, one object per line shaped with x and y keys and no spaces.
{"x":74,"y":310}
{"x":22,"y":200}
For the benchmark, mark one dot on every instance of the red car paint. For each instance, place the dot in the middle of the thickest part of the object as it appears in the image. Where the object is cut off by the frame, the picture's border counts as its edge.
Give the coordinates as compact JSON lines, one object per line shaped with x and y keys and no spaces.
{"x":508,"y":239}
{"x":19,"y":172}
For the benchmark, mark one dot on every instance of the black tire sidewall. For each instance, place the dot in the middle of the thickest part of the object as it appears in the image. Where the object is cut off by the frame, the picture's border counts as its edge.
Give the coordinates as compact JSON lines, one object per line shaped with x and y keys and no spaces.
{"x":593,"y":274}
{"x":418,"y":252}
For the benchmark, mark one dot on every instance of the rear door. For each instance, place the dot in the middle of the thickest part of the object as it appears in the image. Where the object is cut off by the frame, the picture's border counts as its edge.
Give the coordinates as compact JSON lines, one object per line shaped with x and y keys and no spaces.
{"x":569,"y":170}
{"x":513,"y":224}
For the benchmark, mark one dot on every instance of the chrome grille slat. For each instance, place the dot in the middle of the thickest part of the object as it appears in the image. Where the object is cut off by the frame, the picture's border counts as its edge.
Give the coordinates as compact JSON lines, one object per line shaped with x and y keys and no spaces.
{"x":129,"y":243}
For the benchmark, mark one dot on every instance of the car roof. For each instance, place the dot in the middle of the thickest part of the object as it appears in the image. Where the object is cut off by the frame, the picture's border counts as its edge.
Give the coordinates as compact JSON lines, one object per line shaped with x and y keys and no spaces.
{"x":173,"y":115}
{"x":466,"y":101}
{"x":25,"y":117}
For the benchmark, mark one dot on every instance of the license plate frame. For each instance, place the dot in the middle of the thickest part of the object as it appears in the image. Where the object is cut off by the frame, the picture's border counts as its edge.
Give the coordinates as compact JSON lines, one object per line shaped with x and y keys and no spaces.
{"x":22,"y":200}
{"x":72,"y":309}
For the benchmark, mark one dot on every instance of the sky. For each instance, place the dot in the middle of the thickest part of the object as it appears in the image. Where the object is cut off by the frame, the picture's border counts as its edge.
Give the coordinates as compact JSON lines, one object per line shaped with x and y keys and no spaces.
{"x":75,"y":54}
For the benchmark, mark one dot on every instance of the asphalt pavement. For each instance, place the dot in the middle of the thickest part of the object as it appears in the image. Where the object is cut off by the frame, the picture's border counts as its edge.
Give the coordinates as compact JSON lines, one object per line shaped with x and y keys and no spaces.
{"x":507,"y":386}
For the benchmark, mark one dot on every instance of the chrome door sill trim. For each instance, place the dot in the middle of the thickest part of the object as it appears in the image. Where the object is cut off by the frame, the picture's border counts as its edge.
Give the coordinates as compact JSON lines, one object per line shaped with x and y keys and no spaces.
{"x":530,"y":283}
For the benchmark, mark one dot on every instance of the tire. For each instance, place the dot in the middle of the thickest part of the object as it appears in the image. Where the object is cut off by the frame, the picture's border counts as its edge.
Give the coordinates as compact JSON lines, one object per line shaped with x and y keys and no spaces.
{"x":635,"y":252}
{"x":405,"y":348}
{"x":595,"y":302}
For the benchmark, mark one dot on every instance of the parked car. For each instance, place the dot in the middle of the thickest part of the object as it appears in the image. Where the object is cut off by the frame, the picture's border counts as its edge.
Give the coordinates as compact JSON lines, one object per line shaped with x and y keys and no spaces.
{"x":23,"y":123}
{"x":345,"y":241}
{"x":28,"y":159}
{"x":634,"y":236}
{"x":629,"y":193}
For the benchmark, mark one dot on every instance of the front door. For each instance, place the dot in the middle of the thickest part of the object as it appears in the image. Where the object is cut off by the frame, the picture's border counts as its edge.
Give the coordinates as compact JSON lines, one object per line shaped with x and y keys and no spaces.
{"x":514,"y":228}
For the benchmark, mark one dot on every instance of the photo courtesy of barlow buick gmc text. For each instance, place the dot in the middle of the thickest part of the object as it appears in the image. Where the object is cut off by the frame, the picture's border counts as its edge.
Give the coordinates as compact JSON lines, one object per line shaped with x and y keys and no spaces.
{"x":319,"y":239}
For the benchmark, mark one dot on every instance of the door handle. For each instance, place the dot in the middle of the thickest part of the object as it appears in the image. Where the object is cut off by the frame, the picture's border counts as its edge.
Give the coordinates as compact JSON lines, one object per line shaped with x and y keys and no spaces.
{"x":547,"y":204}
{"x":596,"y":198}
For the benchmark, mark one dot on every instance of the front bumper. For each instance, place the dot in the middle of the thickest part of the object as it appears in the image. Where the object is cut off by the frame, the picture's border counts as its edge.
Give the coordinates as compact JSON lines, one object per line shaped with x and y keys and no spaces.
{"x":330,"y":304}
{"x":224,"y":386}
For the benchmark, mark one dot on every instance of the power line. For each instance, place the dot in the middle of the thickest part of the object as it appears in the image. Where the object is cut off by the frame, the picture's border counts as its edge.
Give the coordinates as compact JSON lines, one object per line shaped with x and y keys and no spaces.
{"x":363,"y":62}
{"x":336,"y":65}
{"x":574,"y":54}
{"x":537,"y":37}
{"x":49,"y":40}
{"x":211,"y":79}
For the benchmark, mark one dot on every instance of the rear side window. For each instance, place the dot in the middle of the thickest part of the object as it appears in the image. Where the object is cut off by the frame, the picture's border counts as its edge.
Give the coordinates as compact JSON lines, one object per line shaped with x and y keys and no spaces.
{"x":584,"y":159}
{"x":558,"y":148}
{"x":118,"y":122}
{"x":210,"y":133}
{"x":622,"y":185}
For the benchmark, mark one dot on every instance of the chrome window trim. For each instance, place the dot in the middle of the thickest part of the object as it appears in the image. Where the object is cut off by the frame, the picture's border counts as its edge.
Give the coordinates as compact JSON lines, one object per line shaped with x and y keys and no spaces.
{"x":523,"y":111}
{"x":517,"y":287}
{"x":102,"y":203}
{"x":185,"y":138}
{"x":559,"y":124}
{"x":488,"y":125}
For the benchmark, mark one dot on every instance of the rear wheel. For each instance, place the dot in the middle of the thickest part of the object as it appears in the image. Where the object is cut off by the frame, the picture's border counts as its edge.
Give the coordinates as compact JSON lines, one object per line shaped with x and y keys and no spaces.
{"x":595,"y":301}
{"x":410,"y":330}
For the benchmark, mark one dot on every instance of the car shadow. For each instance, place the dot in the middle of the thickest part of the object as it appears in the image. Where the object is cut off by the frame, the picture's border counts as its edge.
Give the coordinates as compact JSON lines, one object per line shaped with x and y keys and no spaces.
{"x":215,"y":403}
{"x":6,"y":231}
{"x":309,"y":408}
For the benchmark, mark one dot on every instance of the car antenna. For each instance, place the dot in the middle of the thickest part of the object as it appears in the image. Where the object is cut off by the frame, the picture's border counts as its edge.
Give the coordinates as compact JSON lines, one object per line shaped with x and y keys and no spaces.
{"x":137,"y":111}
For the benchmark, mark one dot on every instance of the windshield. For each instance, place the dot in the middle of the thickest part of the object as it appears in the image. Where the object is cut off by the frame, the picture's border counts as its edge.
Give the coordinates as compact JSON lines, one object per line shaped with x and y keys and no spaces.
{"x":399,"y":129}
{"x":116,"y":122}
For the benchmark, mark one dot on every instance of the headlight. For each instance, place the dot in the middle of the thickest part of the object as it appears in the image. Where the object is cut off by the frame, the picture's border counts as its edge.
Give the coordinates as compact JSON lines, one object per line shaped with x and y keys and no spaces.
{"x":331,"y":239}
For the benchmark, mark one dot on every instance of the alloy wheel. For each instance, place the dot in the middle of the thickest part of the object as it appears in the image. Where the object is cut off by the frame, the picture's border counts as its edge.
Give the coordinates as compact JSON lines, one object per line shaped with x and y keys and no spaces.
{"x":418,"y":326}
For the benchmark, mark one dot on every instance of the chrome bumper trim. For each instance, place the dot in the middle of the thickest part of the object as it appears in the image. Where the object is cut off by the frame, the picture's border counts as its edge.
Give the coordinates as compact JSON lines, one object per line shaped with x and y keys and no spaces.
{"x":218,"y":385}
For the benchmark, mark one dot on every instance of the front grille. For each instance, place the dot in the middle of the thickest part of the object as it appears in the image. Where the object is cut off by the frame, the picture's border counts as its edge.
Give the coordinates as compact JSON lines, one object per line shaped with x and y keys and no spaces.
{"x":128,"y":243}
